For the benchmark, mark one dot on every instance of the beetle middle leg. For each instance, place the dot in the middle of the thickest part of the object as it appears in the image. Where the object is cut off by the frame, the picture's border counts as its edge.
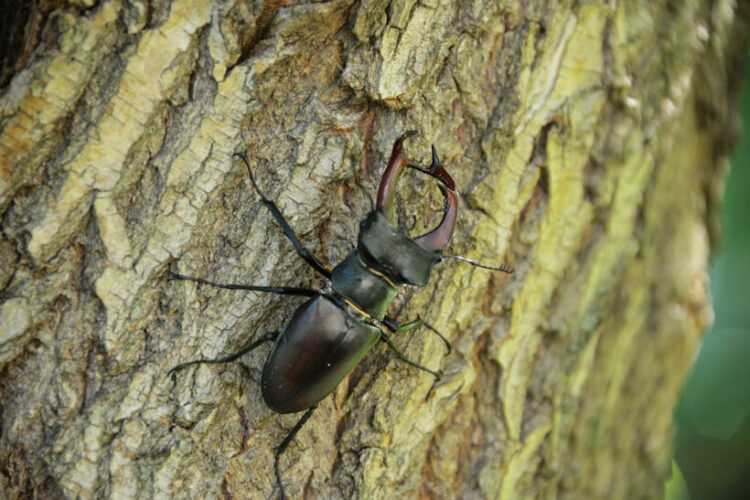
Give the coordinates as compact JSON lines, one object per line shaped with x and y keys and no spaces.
{"x":402,"y":357}
{"x":269,"y":337}
{"x":278,"y":290}
{"x":302,"y":251}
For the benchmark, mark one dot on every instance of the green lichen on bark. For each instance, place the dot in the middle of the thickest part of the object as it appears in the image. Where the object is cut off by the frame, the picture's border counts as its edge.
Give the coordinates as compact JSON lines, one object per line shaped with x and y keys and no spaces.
{"x":579,"y":138}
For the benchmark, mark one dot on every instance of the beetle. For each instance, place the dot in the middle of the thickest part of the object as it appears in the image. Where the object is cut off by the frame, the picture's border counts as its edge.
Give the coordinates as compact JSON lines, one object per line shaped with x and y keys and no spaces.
{"x":336,"y":327}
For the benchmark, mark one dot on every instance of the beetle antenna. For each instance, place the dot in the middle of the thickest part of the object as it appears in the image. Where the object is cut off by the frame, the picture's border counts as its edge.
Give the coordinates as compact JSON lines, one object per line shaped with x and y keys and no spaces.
{"x":502,"y":267}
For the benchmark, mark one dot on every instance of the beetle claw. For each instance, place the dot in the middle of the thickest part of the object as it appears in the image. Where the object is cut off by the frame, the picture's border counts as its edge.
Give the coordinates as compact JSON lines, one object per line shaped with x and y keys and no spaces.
{"x":438,"y":376}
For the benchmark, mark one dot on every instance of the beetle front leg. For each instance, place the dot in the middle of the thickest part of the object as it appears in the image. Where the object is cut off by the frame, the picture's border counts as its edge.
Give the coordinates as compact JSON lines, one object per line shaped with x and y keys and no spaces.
{"x":302,"y":251}
{"x":395,"y":327}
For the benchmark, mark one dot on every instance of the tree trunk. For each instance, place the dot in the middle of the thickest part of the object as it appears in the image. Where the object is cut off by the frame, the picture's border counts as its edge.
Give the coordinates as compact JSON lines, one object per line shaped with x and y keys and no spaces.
{"x":587,"y":140}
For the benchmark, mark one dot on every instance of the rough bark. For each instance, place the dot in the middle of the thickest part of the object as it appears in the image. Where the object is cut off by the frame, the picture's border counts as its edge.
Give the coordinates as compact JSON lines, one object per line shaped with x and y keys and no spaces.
{"x":588,"y":140}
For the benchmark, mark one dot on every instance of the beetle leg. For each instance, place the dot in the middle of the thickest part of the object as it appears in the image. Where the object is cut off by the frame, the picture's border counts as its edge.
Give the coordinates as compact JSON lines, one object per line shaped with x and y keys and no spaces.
{"x":280,"y":449}
{"x":279,"y":290}
{"x":269,"y":337}
{"x":387,"y":188}
{"x":302,"y":251}
{"x":401,"y":357}
{"x":395,"y":327}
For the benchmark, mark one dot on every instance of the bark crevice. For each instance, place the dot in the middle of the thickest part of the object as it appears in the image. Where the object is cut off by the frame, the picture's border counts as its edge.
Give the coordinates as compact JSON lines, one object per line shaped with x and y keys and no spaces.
{"x":580,"y":134}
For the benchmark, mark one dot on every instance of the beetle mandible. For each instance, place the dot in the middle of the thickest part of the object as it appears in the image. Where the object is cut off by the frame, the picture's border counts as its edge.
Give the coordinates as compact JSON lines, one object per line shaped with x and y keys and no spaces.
{"x":336,"y":327}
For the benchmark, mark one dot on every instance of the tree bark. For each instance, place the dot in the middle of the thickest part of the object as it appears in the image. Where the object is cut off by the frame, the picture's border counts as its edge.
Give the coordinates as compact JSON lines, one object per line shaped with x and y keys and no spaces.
{"x":588,"y":141}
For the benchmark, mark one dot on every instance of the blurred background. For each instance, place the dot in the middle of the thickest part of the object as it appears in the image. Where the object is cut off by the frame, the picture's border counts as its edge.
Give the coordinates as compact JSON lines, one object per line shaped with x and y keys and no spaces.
{"x":712,"y":443}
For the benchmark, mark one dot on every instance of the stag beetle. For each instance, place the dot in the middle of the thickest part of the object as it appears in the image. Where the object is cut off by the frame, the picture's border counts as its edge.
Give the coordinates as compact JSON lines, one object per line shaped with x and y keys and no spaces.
{"x":336,"y":327}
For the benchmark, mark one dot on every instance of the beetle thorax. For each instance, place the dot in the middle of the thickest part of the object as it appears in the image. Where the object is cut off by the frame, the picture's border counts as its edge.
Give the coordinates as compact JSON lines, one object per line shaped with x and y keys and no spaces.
{"x":385,"y":258}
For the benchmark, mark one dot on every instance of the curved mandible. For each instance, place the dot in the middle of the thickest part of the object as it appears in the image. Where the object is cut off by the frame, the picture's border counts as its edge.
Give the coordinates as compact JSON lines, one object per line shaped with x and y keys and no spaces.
{"x":438,"y":238}
{"x":387,"y":189}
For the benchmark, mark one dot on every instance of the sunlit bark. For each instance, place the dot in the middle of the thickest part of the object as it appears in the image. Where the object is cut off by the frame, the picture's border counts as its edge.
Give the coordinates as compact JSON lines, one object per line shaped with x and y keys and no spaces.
{"x":588,"y":142}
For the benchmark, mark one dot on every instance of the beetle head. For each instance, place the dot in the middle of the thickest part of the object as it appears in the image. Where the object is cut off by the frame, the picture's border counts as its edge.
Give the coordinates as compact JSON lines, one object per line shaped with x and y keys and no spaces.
{"x":387,"y":248}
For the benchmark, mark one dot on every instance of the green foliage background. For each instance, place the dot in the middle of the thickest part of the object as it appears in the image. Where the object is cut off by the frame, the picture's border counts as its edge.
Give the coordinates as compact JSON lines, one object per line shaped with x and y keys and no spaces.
{"x":712,"y":447}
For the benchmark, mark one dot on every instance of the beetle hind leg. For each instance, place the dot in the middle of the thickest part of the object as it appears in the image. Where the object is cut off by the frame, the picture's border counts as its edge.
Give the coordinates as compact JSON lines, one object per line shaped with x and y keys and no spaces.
{"x":281,"y":448}
{"x":269,"y":337}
